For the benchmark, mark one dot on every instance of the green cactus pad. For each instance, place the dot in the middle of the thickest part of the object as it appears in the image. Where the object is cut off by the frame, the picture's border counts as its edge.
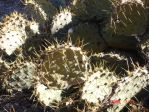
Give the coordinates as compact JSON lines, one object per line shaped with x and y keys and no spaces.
{"x":59,"y":66}
{"x":98,"y":86}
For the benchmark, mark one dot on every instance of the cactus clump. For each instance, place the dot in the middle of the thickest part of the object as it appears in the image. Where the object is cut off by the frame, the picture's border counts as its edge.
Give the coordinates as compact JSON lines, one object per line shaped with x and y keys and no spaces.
{"x":13,"y":31}
{"x":19,"y":76}
{"x":103,"y":88}
{"x":63,"y":74}
{"x":40,"y":10}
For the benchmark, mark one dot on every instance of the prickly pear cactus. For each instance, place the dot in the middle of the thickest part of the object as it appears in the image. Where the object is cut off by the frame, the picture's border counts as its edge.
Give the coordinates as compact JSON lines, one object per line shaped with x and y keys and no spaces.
{"x":88,"y":34}
{"x":103,"y":89}
{"x":92,"y":24}
{"x":61,"y":20}
{"x":60,"y":66}
{"x":98,"y":86}
{"x":126,"y":25}
{"x":13,"y":31}
{"x":91,"y":9}
{"x":129,"y":87}
{"x":117,"y":61}
{"x":19,"y":76}
{"x":40,"y":10}
{"x":47,"y":96}
{"x":128,"y":19}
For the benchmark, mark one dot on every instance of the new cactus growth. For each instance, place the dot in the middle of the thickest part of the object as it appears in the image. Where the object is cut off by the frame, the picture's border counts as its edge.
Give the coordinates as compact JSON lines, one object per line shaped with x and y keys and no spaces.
{"x":13,"y":31}
{"x":19,"y":76}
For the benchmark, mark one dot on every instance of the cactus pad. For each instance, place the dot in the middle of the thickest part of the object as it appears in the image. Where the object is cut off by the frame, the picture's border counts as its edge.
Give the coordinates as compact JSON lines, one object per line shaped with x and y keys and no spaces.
{"x":99,"y":86}
{"x":117,"y":61}
{"x":63,"y":65}
{"x":13,"y":31}
{"x":126,"y":26}
{"x":47,"y":96}
{"x":61,"y":20}
{"x":129,"y":87}
{"x":60,"y":66}
{"x":20,"y":76}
